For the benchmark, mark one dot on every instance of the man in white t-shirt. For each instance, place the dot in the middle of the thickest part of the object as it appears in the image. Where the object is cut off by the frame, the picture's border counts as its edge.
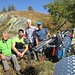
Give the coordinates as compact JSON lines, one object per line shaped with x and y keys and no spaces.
{"x":30,"y":35}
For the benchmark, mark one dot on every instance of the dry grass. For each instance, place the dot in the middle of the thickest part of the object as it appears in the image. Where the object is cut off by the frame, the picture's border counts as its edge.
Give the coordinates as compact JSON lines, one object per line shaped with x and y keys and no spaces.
{"x":37,"y":16}
{"x":34,"y":16}
{"x":36,"y":68}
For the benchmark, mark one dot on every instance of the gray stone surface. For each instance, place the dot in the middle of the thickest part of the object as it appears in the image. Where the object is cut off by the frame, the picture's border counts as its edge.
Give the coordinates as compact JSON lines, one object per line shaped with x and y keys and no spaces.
{"x":13,"y":23}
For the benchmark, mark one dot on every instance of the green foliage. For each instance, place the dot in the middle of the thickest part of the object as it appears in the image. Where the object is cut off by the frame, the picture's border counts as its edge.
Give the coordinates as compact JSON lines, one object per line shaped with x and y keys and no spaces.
{"x":61,"y":9}
{"x":46,"y":68}
{"x":70,"y":10}
{"x":30,"y":8}
{"x":11,"y":8}
{"x":56,"y":10}
{"x":4,"y":10}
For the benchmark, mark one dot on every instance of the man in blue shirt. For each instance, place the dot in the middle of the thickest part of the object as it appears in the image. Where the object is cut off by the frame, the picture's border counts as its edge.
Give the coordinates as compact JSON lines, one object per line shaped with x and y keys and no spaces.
{"x":41,"y":34}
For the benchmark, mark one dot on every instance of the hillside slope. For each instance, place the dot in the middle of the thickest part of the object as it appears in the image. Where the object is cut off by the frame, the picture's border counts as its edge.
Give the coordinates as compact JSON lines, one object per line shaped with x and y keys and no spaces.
{"x":34,"y":16}
{"x":14,"y":20}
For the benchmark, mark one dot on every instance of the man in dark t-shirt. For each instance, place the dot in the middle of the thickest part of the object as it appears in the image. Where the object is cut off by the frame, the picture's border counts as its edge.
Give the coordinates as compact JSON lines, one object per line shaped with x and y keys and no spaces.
{"x":20,"y":45}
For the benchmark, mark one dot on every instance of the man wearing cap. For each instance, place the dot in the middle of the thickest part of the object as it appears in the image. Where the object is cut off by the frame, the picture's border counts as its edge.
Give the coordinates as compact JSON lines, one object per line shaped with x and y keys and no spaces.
{"x":41,"y":34}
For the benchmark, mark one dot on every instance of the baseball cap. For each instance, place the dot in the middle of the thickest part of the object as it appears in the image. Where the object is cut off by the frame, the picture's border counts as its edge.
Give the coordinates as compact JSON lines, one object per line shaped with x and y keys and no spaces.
{"x":66,"y":66}
{"x":39,"y":23}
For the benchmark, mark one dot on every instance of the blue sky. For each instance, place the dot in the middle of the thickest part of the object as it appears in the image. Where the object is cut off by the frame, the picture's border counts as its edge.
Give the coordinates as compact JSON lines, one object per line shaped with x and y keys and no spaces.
{"x":37,"y":5}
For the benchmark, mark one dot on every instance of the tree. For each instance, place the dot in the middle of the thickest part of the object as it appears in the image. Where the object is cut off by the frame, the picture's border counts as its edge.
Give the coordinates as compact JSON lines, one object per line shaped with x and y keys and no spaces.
{"x":30,"y":8}
{"x":9,"y":8}
{"x":56,"y":10}
{"x":13,"y":8}
{"x":70,"y":11}
{"x":4,"y":9}
{"x":61,"y":9}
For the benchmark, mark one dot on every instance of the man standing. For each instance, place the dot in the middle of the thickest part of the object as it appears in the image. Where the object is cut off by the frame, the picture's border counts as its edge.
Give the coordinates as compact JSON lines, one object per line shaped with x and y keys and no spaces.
{"x":30,"y":34}
{"x":20,"y":45}
{"x":41,"y":34}
{"x":6,"y":54}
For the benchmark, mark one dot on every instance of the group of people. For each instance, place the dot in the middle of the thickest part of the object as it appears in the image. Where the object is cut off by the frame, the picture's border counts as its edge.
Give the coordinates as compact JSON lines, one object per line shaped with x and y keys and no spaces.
{"x":10,"y":49}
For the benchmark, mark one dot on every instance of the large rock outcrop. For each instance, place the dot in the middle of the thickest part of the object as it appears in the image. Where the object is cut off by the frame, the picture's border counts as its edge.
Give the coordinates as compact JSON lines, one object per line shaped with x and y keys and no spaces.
{"x":10,"y":23}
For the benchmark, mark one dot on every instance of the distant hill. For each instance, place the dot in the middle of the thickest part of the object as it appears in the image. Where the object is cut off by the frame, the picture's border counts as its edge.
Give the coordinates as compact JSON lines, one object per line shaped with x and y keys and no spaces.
{"x":14,"y":20}
{"x":34,"y":16}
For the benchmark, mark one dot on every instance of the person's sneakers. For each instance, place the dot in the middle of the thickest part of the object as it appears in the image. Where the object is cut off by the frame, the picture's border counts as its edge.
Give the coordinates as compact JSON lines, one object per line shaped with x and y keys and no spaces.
{"x":42,"y":58}
{"x":36,"y":60}
{"x":18,"y":72}
{"x":8,"y":72}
